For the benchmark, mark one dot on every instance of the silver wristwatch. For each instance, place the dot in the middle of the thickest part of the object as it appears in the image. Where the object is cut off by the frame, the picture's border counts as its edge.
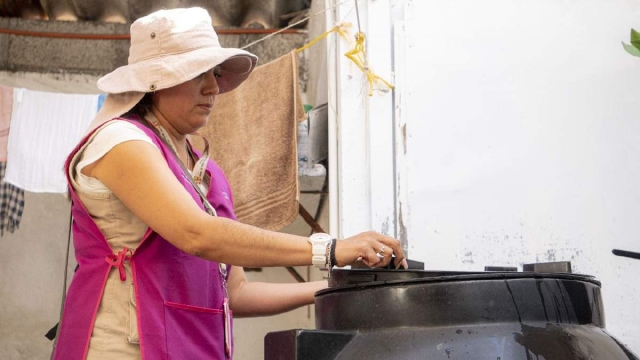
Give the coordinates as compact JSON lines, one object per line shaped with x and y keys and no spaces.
{"x":319,"y":243}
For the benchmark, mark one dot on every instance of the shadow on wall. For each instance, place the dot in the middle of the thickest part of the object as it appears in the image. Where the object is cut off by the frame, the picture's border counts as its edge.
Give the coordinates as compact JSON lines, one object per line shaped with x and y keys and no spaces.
{"x":265,"y":14}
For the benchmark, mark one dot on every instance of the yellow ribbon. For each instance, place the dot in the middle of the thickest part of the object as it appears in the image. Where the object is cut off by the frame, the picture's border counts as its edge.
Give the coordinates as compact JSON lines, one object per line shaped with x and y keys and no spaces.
{"x":356,"y":55}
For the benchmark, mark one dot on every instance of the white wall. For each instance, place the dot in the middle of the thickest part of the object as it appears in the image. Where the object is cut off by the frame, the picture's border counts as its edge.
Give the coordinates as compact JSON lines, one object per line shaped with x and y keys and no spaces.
{"x":523,"y":139}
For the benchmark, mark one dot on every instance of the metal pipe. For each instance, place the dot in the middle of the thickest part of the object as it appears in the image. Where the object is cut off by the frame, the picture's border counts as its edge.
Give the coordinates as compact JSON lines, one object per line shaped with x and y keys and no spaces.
{"x":629,"y":254}
{"x":127,"y":36}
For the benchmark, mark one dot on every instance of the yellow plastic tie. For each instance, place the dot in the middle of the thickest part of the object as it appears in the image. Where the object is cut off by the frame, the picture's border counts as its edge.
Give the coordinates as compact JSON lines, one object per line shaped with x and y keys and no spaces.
{"x":337,"y":28}
{"x":314,"y":41}
{"x":356,"y":55}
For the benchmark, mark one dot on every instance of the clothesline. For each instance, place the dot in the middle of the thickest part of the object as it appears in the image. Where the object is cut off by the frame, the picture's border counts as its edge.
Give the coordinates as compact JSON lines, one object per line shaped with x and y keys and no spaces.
{"x":357,"y":55}
{"x":294,"y":24}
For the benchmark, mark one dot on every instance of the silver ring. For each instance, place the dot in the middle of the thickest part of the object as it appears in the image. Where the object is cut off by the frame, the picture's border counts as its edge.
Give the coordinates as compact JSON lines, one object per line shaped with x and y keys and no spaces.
{"x":382,"y":249}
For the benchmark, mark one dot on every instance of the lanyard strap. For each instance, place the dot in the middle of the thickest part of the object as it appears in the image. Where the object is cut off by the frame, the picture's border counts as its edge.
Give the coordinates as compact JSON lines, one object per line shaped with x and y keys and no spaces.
{"x":199,"y":169}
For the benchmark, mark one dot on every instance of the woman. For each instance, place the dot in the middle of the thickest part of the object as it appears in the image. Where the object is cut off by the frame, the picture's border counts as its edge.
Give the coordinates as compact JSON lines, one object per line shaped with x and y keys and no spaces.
{"x":153,"y":219}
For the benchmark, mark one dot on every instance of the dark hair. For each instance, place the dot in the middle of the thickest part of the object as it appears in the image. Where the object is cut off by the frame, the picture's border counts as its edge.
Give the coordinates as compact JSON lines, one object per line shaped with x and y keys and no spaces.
{"x":142,"y":108}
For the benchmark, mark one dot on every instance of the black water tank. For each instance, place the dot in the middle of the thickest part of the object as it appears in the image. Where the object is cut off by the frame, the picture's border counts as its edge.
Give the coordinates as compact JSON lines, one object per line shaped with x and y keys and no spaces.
{"x":390,"y":314}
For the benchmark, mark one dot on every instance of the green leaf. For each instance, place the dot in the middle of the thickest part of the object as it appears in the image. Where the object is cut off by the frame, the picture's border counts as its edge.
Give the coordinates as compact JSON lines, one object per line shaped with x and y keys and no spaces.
{"x":635,"y":38}
{"x":631,"y":49}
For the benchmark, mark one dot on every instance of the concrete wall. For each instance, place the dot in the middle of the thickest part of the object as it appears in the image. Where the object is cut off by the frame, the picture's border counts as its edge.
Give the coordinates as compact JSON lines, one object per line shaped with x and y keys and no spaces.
{"x":58,"y":64}
{"x":32,"y":262}
{"x":74,"y":65}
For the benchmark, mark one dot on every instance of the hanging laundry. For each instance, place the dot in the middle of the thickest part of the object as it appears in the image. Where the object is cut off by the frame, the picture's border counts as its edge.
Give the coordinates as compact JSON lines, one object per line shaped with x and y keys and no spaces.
{"x":44,"y":129}
{"x":11,"y":204}
{"x":101,"y":99}
{"x":6,"y":103}
{"x":11,"y":197}
{"x":252,"y":132}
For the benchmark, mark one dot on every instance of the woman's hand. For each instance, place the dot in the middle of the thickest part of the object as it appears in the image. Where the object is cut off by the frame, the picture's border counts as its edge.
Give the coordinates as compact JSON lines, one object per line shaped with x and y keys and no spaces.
{"x":372,"y":248}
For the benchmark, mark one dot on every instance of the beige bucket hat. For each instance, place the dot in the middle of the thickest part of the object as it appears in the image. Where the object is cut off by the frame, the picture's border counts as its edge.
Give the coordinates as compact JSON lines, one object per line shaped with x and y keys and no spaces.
{"x":169,"y":47}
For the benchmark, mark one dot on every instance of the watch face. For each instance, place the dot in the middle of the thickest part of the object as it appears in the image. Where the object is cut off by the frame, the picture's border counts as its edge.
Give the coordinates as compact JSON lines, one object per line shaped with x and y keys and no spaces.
{"x":320,"y":237}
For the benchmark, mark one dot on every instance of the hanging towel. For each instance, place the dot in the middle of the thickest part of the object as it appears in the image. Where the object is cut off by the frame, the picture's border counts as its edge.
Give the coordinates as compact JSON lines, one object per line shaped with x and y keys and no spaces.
{"x":6,"y":103}
{"x":11,"y":204}
{"x":252,"y":132}
{"x":44,"y":129}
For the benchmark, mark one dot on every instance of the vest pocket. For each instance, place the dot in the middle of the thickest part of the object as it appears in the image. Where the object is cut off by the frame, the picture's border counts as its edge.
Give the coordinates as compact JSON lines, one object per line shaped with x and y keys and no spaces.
{"x":194,"y":332}
{"x":132,"y":331}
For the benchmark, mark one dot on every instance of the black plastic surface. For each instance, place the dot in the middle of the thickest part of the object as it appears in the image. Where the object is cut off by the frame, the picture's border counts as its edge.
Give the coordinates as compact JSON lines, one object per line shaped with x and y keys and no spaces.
{"x":408,"y":314}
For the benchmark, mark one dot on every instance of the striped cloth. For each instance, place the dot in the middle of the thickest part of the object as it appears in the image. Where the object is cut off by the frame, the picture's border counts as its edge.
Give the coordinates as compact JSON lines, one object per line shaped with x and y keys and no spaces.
{"x":11,"y":205}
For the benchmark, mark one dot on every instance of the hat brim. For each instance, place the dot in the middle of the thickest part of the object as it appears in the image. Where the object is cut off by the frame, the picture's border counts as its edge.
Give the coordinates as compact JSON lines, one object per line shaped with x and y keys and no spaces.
{"x":171,"y":70}
{"x":114,"y":106}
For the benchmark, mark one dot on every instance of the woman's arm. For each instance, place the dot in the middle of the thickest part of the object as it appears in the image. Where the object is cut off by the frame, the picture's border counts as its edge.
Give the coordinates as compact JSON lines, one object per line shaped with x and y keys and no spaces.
{"x":262,"y":299}
{"x":137,"y":173}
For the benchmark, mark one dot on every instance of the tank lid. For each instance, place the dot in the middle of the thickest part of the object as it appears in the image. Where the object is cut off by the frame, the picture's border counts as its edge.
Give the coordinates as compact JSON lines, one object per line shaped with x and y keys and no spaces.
{"x":343,"y":279}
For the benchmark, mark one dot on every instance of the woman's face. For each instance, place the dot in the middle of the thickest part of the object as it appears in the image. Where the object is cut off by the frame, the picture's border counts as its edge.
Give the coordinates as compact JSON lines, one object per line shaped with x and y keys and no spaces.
{"x":187,"y":106}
